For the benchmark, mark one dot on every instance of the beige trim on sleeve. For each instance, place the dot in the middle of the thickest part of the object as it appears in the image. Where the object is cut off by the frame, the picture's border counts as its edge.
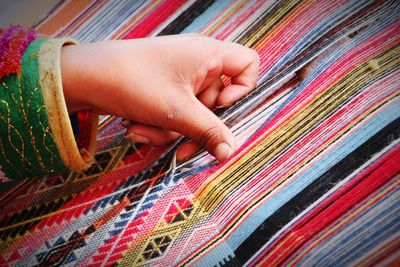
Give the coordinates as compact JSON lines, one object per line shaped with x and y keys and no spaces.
{"x":53,"y":96}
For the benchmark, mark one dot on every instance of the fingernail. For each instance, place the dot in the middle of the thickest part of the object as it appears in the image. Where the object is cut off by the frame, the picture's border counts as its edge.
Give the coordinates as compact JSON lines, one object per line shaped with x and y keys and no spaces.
{"x":125,"y":123}
{"x":137,"y":138}
{"x":129,"y":137}
{"x":222,"y":106}
{"x":222,"y":152}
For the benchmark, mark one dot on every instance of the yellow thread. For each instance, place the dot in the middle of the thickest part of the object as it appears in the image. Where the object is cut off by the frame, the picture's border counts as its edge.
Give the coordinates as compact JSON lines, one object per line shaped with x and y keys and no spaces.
{"x":390,"y":63}
{"x":373,"y":64}
{"x":266,"y":37}
{"x":30,"y":132}
{"x":225,"y":17}
{"x":135,"y":251}
{"x":30,"y":98}
{"x":46,"y":132}
{"x":290,"y":130}
{"x":9,"y":127}
{"x":306,"y":161}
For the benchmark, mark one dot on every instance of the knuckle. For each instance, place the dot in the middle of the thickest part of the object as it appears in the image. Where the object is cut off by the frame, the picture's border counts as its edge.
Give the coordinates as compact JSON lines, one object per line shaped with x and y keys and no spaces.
{"x":215,"y":67}
{"x":172,"y":113}
{"x":209,"y":134}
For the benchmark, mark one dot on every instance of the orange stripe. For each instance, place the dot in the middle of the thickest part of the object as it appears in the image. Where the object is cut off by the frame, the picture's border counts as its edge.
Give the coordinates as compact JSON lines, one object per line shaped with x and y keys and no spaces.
{"x":63,"y":16}
{"x":93,"y":10}
{"x":218,"y":23}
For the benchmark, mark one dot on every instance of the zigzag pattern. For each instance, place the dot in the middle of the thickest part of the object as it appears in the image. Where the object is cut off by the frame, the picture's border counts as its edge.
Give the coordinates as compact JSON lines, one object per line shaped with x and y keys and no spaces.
{"x":316,"y":178}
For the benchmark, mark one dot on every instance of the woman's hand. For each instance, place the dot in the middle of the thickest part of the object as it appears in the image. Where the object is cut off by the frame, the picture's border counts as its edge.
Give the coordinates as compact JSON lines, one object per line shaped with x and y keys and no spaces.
{"x":166,"y":86}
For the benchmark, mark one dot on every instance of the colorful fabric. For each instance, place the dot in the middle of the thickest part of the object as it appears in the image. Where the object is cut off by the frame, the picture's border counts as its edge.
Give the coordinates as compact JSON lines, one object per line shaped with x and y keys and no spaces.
{"x":13,"y":42}
{"x":36,"y":133}
{"x":314,"y":182}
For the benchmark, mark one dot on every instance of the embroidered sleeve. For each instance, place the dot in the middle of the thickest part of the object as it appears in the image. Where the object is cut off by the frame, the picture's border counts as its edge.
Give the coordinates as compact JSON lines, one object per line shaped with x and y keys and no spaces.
{"x":36,"y":136}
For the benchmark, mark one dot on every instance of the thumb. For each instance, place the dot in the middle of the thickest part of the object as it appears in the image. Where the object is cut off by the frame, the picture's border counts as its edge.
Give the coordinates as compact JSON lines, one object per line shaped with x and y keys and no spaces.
{"x":206,"y":129}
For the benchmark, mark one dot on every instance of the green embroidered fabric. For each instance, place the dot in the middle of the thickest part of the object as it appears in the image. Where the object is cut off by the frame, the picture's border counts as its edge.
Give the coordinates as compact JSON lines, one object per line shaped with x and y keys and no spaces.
{"x":27,"y":147}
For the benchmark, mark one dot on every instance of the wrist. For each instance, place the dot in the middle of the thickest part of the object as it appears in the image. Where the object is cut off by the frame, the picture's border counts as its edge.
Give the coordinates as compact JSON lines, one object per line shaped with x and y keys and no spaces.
{"x":71,"y":80}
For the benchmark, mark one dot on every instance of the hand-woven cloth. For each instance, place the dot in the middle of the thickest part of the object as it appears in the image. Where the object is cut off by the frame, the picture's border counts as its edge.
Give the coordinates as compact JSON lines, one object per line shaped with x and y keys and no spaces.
{"x":315,"y":181}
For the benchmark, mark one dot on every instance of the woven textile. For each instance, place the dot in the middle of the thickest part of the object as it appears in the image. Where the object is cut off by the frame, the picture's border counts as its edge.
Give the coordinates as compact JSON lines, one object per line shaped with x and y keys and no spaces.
{"x":314,"y":182}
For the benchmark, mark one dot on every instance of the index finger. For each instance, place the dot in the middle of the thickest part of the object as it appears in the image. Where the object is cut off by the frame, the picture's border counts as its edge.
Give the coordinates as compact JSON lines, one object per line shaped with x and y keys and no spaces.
{"x":242,"y":65}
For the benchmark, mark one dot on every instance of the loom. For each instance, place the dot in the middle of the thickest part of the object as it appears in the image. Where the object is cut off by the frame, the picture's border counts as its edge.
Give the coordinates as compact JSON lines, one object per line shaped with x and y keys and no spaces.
{"x":315,"y":181}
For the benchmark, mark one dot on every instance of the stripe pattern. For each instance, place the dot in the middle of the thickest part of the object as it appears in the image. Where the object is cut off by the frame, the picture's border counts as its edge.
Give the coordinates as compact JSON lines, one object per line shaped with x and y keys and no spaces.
{"x":314,"y":182}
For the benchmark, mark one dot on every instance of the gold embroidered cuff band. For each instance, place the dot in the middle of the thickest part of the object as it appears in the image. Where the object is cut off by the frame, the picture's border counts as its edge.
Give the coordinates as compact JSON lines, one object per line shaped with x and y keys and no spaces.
{"x":36,"y":137}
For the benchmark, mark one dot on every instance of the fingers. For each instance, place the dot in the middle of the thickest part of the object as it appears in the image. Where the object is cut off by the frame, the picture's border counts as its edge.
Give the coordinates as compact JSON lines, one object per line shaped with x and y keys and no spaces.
{"x":206,"y":129}
{"x":209,"y":95}
{"x":145,"y":134}
{"x":177,"y":110}
{"x":154,"y":136}
{"x":242,"y":65}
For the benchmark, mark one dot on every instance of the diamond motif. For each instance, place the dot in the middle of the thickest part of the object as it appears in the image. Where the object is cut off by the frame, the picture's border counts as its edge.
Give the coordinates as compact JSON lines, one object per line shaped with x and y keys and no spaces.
{"x":156,"y":247}
{"x":179,"y":211}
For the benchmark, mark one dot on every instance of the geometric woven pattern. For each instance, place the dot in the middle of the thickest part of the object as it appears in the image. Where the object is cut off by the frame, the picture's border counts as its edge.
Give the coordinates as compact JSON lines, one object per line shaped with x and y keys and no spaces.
{"x":315,"y":181}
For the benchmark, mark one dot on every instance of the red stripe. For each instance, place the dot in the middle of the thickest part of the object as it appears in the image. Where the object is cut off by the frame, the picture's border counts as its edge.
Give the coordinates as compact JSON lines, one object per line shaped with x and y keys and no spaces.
{"x":336,"y":72}
{"x":154,"y":19}
{"x":333,"y":208}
